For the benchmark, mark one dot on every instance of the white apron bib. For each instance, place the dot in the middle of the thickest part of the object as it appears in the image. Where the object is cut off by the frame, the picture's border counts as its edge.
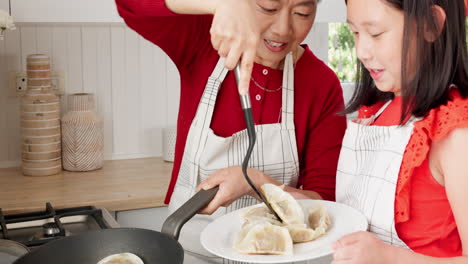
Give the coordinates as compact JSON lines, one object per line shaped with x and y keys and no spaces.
{"x":275,"y":154}
{"x":368,"y":169}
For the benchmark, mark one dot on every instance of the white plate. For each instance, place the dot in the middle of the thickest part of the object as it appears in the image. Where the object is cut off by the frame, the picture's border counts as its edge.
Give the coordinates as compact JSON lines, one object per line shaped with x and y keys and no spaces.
{"x":218,"y":237}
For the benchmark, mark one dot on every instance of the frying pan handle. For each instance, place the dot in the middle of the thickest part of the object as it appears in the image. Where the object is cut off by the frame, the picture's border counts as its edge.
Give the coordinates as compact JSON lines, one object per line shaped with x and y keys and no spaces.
{"x":176,"y":220}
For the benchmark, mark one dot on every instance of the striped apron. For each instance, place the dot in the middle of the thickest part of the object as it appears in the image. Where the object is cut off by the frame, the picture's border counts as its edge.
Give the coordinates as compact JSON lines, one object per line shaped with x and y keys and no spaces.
{"x":368,"y":170}
{"x":275,"y":154}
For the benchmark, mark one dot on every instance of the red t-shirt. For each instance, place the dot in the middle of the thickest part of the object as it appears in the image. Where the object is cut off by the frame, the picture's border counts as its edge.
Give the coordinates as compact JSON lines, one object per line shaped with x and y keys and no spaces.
{"x":317,"y":92}
{"x":423,"y":216}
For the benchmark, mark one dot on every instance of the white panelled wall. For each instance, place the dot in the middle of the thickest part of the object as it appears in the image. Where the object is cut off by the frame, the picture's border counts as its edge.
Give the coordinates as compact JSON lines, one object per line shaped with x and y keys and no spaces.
{"x":136,"y":85}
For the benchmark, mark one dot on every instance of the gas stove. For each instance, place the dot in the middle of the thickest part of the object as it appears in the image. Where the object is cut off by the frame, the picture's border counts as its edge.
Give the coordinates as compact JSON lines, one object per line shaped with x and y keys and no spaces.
{"x":37,"y":228}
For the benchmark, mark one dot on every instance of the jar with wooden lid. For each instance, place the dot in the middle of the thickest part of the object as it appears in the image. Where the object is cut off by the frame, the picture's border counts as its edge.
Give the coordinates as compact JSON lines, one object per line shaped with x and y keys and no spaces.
{"x":40,"y":121}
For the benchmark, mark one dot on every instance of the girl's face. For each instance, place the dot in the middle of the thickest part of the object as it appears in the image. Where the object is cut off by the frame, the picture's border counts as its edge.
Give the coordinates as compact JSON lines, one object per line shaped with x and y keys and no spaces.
{"x":284,"y":24}
{"x":378,"y":31}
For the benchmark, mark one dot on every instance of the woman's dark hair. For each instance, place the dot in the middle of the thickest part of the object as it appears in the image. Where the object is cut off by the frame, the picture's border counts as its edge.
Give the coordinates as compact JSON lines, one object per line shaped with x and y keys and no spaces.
{"x":438,"y":64}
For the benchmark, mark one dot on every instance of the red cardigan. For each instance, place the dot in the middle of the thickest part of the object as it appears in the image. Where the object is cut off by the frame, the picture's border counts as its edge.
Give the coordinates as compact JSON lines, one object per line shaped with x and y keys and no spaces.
{"x":317,"y":96}
{"x":423,"y":217}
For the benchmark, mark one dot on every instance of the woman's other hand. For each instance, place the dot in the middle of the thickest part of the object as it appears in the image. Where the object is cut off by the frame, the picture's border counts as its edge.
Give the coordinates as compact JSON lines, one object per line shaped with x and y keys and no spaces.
{"x":362,"y":248}
{"x":232,"y":186}
{"x":235,"y":34}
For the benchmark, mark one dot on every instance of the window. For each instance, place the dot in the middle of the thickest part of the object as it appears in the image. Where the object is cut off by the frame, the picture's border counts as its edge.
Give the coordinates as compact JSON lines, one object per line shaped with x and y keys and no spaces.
{"x":341,"y":52}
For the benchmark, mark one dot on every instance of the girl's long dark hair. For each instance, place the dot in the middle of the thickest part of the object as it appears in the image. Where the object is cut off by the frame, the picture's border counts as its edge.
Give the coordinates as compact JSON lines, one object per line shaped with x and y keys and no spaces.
{"x":438,"y":64}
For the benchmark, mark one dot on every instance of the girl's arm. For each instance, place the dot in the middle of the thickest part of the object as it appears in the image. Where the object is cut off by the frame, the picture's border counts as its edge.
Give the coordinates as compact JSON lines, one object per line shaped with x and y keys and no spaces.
{"x":449,"y":158}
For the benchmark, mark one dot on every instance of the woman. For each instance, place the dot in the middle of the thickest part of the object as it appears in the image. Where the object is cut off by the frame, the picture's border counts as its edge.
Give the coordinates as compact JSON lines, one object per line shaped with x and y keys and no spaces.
{"x":294,"y":100}
{"x":404,"y":161}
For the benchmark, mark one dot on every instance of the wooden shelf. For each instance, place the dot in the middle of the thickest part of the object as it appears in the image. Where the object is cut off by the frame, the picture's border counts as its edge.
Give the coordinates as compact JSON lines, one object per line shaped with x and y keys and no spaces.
{"x":120,"y":185}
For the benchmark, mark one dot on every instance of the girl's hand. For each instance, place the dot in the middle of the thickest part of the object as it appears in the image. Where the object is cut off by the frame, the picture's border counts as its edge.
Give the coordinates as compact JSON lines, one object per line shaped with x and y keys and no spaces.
{"x":232,"y":186}
{"x":362,"y":248}
{"x":235,"y":34}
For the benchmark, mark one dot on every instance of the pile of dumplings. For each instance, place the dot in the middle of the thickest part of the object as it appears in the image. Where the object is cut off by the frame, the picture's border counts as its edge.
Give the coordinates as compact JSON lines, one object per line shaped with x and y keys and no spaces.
{"x":262,"y":233}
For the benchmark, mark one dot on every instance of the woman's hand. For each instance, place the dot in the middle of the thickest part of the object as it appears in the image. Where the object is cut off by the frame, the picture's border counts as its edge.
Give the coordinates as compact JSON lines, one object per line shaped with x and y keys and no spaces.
{"x":362,"y":248}
{"x":235,"y":34}
{"x":232,"y":186}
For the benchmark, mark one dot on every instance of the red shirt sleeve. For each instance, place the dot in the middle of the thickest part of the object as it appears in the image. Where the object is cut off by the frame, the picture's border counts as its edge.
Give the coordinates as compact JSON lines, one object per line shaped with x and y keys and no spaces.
{"x":323,"y":140}
{"x":156,"y":23}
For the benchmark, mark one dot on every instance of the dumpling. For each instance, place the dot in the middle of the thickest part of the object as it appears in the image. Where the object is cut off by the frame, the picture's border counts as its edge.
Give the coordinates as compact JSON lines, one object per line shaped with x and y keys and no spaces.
{"x":287,"y":208}
{"x":263,"y":238}
{"x":318,"y":223}
{"x":318,"y":219}
{"x":259,"y":213}
{"x":262,"y":233}
{"x":121,"y":258}
{"x":301,"y":233}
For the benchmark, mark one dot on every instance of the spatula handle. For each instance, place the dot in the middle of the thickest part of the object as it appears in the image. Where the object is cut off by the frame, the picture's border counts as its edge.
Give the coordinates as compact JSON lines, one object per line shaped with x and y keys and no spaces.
{"x":176,"y":220}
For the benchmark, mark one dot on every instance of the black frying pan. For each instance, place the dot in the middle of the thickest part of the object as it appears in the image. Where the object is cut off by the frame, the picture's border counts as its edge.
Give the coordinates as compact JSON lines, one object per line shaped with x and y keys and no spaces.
{"x":151,"y":246}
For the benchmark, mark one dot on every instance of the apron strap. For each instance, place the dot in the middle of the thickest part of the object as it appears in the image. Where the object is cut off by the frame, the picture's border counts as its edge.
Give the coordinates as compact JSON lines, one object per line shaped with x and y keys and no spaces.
{"x":207,"y":102}
{"x":382,"y":109}
{"x":202,"y":121}
{"x":287,"y":109}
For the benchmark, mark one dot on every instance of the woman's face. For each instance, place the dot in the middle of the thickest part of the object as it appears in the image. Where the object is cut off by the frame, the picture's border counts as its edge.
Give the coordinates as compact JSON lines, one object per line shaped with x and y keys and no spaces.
{"x":378,"y":32}
{"x":284,"y":24}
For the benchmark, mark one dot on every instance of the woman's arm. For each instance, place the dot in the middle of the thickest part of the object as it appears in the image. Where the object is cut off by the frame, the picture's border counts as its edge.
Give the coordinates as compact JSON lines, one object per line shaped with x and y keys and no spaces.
{"x":181,"y":37}
{"x":233,"y":31}
{"x":322,"y":145}
{"x":195,"y":7}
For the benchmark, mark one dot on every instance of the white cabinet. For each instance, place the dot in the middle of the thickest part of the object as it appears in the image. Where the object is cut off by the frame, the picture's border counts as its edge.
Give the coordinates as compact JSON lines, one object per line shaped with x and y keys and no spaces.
{"x":4,"y":5}
{"x":58,"y":11}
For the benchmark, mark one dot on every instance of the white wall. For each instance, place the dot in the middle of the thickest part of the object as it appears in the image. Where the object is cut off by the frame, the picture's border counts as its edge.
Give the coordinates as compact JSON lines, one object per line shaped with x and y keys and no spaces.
{"x":136,"y":85}
{"x":127,"y":74}
{"x":331,"y":11}
{"x":64,"y":11}
{"x":4,"y":5}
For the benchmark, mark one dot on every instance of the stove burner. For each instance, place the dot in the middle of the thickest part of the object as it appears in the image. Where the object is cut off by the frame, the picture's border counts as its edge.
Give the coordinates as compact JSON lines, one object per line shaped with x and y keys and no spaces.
{"x":37,"y":228}
{"x":50,"y":229}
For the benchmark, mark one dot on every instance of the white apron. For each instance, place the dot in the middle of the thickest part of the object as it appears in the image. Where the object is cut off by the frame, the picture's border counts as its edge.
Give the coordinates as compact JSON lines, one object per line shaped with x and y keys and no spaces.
{"x":275,"y":154}
{"x":368,"y":169}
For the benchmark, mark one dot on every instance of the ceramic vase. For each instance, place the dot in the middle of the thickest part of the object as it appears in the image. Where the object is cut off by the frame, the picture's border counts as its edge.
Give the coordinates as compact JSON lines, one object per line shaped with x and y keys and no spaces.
{"x":82,"y":134}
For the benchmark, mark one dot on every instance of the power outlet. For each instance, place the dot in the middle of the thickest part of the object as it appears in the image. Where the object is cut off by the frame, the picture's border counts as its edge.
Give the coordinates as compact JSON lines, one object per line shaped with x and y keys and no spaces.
{"x":18,"y":83}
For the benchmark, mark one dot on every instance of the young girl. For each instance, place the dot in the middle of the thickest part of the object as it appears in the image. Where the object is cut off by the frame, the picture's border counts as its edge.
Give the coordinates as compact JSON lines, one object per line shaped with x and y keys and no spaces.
{"x":404,"y":162}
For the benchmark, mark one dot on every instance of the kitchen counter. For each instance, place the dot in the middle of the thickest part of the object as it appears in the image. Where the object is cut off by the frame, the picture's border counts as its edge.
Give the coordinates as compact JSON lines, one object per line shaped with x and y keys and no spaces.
{"x":119,"y":185}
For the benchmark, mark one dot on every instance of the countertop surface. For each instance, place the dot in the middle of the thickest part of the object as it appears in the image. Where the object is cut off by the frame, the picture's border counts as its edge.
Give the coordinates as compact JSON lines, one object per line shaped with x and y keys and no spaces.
{"x":119,"y":185}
